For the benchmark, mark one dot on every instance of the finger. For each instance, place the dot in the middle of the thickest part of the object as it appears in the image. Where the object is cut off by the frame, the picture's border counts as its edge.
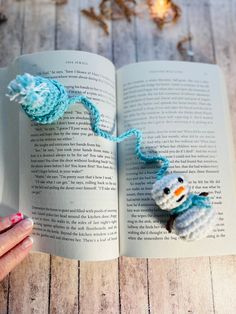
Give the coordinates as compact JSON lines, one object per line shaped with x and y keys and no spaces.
{"x":6,"y":222}
{"x":11,"y":259}
{"x":15,"y":235}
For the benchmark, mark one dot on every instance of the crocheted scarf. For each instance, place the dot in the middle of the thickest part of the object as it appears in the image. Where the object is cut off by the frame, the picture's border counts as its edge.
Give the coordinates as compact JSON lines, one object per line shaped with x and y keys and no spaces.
{"x":192,"y":200}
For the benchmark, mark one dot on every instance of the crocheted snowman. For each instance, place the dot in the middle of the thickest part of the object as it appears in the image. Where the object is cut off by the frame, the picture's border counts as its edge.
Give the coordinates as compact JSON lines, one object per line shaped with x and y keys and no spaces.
{"x":191,"y":215}
{"x":45,"y":101}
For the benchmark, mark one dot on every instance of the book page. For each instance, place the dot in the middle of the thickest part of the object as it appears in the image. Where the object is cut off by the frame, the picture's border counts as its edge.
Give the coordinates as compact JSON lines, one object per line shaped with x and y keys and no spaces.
{"x":182,"y":110}
{"x":9,"y":147}
{"x":68,"y":176}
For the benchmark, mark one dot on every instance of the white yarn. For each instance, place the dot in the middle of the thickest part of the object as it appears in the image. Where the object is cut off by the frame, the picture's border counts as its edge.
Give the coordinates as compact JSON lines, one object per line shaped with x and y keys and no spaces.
{"x":195,"y":223}
{"x":24,"y":88}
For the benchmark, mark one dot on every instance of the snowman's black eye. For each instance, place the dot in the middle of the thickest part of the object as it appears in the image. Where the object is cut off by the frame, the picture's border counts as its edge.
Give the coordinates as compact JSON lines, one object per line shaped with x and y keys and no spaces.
{"x":180,"y":180}
{"x":166,"y":190}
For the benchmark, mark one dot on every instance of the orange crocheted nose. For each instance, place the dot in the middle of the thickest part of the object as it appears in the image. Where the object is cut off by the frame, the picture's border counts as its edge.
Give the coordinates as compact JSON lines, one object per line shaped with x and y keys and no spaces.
{"x":179,"y":190}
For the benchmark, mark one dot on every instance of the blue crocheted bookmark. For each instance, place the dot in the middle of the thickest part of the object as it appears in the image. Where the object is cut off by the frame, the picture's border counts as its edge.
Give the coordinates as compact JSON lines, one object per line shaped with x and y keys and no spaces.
{"x":45,"y":101}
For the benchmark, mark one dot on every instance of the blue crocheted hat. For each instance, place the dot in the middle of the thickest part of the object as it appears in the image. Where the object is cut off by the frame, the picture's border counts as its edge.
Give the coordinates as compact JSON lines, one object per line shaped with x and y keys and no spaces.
{"x":42,"y":99}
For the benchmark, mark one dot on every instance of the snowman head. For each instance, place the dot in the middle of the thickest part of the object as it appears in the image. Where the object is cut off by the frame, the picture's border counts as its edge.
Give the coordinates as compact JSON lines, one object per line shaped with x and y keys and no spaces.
{"x":170,"y":191}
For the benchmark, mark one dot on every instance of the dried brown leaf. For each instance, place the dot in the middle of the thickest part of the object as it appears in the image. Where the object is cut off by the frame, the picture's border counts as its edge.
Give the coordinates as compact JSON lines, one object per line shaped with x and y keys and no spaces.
{"x":181,"y":46}
{"x":119,"y":10}
{"x":105,"y":10}
{"x":177,"y":11}
{"x":3,"y":17}
{"x":182,"y":41}
{"x":126,"y":9}
{"x":99,"y":18}
{"x":60,"y":2}
{"x":112,"y":10}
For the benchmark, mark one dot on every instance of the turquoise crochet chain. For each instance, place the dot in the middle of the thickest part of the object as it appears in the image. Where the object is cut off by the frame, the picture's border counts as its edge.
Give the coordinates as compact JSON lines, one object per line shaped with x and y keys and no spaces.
{"x":45,"y":101}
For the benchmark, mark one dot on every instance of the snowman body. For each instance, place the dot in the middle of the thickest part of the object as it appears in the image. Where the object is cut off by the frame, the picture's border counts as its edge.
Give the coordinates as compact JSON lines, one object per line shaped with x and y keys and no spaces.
{"x":192,"y":215}
{"x":194,"y":223}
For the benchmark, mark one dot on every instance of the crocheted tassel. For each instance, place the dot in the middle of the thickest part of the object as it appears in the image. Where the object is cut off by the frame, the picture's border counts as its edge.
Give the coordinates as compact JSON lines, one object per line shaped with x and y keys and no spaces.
{"x":43,"y":100}
{"x":25,"y":90}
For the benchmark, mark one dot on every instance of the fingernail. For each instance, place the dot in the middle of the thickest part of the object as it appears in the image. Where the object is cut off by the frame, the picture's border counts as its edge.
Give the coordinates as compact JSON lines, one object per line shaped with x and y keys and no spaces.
{"x":27,"y":242}
{"x":27,"y":223}
{"x":16,"y":218}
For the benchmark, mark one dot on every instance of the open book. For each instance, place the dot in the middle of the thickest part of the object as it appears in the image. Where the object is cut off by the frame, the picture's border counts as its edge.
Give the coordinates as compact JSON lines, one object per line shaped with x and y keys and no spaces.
{"x":90,"y":198}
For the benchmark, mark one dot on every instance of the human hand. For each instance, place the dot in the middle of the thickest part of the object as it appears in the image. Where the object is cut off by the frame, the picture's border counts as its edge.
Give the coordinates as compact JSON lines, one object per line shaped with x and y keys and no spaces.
{"x":15,"y":242}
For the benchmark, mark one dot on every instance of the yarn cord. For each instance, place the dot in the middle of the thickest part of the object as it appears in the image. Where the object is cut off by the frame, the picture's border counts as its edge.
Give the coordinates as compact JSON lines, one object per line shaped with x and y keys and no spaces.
{"x":45,"y":101}
{"x":95,"y":121}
